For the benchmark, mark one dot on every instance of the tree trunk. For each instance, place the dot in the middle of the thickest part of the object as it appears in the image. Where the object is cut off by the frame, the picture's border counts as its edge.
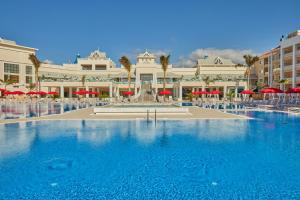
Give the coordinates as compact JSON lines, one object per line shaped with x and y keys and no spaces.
{"x":164,"y":85}
{"x":129,"y":82}
{"x":36,"y":79}
{"x":248,"y":79}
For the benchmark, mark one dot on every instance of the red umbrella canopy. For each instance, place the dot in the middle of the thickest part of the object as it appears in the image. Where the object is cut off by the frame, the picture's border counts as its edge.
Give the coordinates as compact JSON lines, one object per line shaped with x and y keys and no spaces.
{"x":289,"y":91}
{"x":296,"y":90}
{"x":41,"y":93}
{"x":81,"y":92}
{"x":95,"y":93}
{"x":31,"y":93}
{"x":200,"y":92}
{"x":128,"y":93}
{"x":247,"y":92}
{"x":293,"y":90}
{"x":165,"y":92}
{"x":271,"y":90}
{"x":52,"y":93}
{"x":14,"y":93}
{"x":2,"y":90}
{"x":215,"y":92}
{"x":203,"y":92}
{"x":36,"y":93}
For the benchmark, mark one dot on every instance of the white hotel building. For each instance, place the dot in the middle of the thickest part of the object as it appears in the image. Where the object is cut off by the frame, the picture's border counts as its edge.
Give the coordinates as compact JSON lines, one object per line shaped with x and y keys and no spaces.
{"x":99,"y":73}
{"x":281,"y":63}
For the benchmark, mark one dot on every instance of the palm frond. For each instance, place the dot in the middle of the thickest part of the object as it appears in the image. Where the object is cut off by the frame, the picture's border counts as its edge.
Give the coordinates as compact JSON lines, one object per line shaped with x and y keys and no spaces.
{"x":126,"y":63}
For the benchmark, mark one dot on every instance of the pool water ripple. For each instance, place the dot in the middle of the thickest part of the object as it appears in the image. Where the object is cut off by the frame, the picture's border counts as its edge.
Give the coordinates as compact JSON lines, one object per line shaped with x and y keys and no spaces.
{"x":196,"y":159}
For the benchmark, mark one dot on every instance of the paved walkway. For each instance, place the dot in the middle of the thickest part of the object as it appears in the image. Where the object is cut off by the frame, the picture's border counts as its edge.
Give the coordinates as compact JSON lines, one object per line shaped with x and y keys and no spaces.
{"x":194,"y":113}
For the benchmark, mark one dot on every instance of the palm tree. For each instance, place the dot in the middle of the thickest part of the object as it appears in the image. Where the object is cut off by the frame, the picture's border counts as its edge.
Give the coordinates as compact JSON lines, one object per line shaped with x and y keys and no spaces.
{"x":7,"y":82}
{"x":284,"y":82}
{"x":249,"y":60}
{"x":35,"y":61}
{"x":197,"y":73}
{"x":127,"y":65}
{"x":164,"y":61}
{"x":207,"y":81}
{"x":83,"y":79}
{"x":31,"y":86}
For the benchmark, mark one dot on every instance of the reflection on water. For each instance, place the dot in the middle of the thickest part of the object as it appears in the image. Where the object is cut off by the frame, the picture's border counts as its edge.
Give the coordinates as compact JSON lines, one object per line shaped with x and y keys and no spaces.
{"x":14,"y":142}
{"x":18,"y":138}
{"x":232,"y":159}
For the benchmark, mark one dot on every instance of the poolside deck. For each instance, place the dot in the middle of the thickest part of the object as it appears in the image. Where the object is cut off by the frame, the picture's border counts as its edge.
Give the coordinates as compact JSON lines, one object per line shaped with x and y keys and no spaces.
{"x":87,"y":114}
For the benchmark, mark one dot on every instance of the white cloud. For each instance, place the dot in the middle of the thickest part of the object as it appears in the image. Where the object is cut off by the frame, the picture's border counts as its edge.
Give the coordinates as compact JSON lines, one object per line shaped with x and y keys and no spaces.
{"x":236,"y":55}
{"x":48,"y":61}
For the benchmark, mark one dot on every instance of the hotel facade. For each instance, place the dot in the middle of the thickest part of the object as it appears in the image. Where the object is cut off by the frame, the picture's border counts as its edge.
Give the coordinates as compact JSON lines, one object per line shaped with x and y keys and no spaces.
{"x":281,"y":63}
{"x":97,"y":72}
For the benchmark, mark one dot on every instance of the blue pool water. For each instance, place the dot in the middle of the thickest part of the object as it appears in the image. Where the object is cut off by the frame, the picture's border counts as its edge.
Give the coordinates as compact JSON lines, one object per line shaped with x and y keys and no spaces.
{"x":196,"y":159}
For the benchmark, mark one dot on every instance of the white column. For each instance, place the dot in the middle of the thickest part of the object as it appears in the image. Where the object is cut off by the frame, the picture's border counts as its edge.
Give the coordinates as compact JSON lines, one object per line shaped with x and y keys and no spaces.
{"x":225,"y":92}
{"x":180,"y":93}
{"x":135,"y":90}
{"x":110,"y":90}
{"x":61,"y":91}
{"x":236,"y":92}
{"x":281,"y":66}
{"x":294,"y":66}
{"x":70,"y":92}
{"x":87,"y":89}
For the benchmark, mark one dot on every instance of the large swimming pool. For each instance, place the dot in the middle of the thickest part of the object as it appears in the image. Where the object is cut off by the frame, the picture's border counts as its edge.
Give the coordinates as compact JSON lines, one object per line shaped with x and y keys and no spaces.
{"x":195,"y":159}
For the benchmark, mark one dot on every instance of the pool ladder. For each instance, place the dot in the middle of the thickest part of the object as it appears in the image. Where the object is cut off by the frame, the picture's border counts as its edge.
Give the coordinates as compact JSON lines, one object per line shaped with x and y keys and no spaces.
{"x":148,"y":116}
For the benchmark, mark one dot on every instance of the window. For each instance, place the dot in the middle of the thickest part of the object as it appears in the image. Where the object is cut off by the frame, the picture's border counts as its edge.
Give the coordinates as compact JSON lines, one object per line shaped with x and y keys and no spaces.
{"x":29,"y":70}
{"x":86,"y":67}
{"x":146,"y":77}
{"x":28,"y":79}
{"x":11,"y":72}
{"x":11,"y":68}
{"x":13,"y":78}
{"x":100,"y":67}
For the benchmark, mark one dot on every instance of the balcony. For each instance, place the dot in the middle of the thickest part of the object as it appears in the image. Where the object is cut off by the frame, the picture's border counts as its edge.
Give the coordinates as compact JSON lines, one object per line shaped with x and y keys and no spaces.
{"x":288,"y":55}
{"x":288,"y":68}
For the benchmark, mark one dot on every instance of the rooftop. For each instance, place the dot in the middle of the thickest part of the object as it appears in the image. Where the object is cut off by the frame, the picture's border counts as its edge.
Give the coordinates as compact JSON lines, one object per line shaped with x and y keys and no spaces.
{"x":214,"y":60}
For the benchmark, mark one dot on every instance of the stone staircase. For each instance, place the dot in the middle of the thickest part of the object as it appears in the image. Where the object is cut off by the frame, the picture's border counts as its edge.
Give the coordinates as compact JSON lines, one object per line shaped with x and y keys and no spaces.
{"x":146,"y":93}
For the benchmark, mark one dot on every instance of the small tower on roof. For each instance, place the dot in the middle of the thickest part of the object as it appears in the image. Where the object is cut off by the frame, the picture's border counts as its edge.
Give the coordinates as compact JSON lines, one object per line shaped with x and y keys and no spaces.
{"x":76,"y":59}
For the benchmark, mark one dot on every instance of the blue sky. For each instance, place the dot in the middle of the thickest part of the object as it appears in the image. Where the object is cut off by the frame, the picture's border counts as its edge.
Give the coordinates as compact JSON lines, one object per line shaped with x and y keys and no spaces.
{"x":61,"y":29}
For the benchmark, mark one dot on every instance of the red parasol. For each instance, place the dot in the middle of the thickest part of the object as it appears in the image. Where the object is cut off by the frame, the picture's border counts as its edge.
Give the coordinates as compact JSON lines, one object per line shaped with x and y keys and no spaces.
{"x":215,"y":92}
{"x":128,"y":93}
{"x":271,"y":90}
{"x":52,"y":93}
{"x":14,"y":93}
{"x":81,"y":92}
{"x":165,"y":92}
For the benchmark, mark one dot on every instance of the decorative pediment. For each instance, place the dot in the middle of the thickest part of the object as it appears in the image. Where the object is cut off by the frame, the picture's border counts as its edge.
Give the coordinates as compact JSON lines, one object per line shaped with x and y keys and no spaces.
{"x":97,"y":55}
{"x":146,"y":54}
{"x":218,"y":61}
